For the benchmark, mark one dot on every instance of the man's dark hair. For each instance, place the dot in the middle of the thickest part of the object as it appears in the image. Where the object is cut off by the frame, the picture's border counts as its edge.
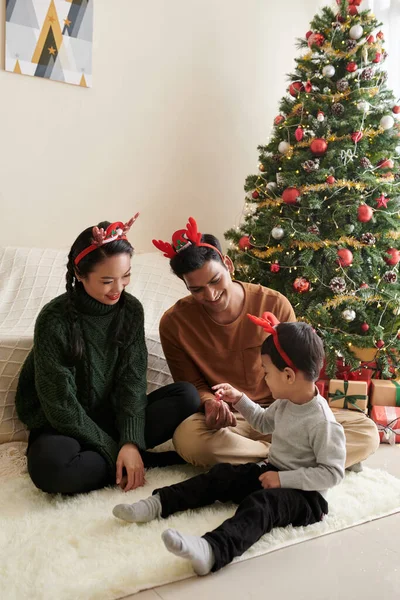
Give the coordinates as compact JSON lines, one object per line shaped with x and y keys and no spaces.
{"x":194,"y":257}
{"x":303,"y":346}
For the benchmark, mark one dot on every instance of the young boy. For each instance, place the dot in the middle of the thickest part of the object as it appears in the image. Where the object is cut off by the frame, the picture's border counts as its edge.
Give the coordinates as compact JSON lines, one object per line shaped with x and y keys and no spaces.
{"x":306,"y":457}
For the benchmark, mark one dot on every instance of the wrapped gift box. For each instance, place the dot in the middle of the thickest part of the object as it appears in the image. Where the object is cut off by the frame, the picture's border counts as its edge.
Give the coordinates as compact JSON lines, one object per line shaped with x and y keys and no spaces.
{"x":348,"y":394}
{"x":385,"y":392}
{"x":322,"y":385}
{"x":387,"y":419}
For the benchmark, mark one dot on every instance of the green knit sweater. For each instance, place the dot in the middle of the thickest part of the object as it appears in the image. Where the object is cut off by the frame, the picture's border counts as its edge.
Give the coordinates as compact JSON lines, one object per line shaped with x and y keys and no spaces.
{"x":101,"y":401}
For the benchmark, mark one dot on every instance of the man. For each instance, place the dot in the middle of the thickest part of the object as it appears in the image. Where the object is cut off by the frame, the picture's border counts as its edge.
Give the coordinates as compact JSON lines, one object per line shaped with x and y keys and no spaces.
{"x":208,"y":339}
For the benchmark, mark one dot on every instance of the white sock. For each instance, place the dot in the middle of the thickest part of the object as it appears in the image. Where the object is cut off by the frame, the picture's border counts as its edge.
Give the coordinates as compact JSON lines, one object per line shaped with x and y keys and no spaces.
{"x":194,"y":548}
{"x":140,"y":512}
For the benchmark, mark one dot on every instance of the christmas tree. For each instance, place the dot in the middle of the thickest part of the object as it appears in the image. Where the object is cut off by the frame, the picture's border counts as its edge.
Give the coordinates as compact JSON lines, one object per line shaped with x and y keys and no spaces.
{"x":321,"y":219}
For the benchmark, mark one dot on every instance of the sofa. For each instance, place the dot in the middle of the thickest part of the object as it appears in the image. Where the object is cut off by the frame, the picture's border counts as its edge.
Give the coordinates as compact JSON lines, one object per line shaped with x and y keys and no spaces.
{"x":31,"y":277}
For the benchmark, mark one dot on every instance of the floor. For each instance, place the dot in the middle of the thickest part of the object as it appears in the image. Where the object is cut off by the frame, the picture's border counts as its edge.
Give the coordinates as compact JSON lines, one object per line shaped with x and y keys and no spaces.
{"x":362,"y":563}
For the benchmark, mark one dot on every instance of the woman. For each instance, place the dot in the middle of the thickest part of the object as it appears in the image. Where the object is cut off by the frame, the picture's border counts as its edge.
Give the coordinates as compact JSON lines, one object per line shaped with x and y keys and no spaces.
{"x":82,"y":388}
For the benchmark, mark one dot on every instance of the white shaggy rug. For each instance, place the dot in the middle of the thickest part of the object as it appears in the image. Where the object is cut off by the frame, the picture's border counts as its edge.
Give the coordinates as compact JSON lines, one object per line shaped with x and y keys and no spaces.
{"x":73,"y":548}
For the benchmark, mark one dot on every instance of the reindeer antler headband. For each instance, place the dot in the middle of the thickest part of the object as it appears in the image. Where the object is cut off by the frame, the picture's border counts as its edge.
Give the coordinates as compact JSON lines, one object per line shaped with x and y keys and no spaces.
{"x":269,"y":322}
{"x":115,"y":231}
{"x":182,"y":239}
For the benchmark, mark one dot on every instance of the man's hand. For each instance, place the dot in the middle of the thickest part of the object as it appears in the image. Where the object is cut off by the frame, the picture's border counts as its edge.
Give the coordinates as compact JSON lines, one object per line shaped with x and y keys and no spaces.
{"x":270,"y":479}
{"x":224,"y":391}
{"x":129,"y":457}
{"x":218,"y":414}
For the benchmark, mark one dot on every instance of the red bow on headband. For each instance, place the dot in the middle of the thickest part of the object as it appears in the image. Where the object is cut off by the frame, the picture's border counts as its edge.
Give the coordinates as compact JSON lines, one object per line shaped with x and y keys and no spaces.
{"x":181,"y":239}
{"x":269,"y":322}
{"x":115,"y":231}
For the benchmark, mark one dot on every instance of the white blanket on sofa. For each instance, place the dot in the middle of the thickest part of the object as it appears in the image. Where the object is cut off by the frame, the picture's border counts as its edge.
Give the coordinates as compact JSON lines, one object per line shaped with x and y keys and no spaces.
{"x":31,"y":277}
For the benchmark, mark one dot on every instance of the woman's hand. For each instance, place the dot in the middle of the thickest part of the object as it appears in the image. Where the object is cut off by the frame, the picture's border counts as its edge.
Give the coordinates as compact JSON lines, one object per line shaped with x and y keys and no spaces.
{"x":129,"y":457}
{"x":224,"y":391}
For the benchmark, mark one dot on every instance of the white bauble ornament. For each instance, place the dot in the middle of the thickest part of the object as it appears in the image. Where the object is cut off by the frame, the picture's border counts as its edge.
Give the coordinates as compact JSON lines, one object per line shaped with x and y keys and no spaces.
{"x":328,"y":71}
{"x":387,"y":122}
{"x":284,"y":147}
{"x":349,"y":315}
{"x":271,"y":185}
{"x":277,"y":233}
{"x":363,"y":106}
{"x":356,"y":32}
{"x":398,"y":149}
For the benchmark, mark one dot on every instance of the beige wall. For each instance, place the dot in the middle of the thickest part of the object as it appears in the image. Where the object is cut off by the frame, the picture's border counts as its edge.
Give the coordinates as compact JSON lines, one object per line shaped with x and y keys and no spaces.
{"x":184,"y":90}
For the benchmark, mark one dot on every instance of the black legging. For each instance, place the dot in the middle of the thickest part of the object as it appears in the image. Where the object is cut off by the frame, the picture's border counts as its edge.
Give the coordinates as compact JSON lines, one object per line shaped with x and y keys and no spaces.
{"x":259,"y":510}
{"x":60,"y":464}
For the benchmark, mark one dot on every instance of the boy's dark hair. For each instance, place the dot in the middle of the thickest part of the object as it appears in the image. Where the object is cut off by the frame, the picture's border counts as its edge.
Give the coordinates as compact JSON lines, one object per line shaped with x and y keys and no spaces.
{"x":194,"y":257}
{"x":303,"y":346}
{"x":86,"y":265}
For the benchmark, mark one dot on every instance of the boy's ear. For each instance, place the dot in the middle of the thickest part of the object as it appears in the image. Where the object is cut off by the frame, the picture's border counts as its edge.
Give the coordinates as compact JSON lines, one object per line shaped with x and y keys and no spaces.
{"x":290,"y":375}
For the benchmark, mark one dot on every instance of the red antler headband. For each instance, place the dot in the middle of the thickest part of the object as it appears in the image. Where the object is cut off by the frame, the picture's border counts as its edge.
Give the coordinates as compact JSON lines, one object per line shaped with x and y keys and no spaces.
{"x":183,"y":238}
{"x":115,"y":231}
{"x":269,"y":322}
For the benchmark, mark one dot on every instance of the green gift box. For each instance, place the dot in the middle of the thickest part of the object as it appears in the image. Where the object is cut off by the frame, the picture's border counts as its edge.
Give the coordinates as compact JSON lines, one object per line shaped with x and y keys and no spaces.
{"x":348,"y":394}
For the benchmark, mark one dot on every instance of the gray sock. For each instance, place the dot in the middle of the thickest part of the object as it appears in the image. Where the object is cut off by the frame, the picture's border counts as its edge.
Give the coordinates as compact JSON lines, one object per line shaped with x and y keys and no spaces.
{"x":194,"y":548}
{"x":140,"y":512}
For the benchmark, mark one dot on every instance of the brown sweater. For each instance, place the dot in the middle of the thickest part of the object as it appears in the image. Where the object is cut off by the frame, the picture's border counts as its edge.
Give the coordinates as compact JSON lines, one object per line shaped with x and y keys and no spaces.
{"x":205,"y":353}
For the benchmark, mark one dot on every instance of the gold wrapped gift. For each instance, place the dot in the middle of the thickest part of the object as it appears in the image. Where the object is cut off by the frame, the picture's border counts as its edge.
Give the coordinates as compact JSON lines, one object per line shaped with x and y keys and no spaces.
{"x":385,"y":392}
{"x":348,"y":394}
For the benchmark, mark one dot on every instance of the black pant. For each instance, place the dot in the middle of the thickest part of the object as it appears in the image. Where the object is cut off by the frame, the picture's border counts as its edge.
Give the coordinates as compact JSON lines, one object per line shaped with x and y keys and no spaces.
{"x":259,"y":510}
{"x":61,"y":464}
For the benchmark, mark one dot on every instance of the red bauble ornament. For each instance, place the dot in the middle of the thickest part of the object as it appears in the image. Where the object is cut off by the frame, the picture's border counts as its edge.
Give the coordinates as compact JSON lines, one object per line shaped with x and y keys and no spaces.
{"x":351,"y":67}
{"x":330,"y":179}
{"x":345,"y":257}
{"x":364,"y":213}
{"x":316,"y":39}
{"x":364,"y":285}
{"x":275,"y":267}
{"x":299,"y":134}
{"x":244,"y":243}
{"x":308,"y":34}
{"x":370,"y":39}
{"x":301,"y":285}
{"x":396,"y":109}
{"x":290,"y":195}
{"x":379,"y":344}
{"x":378,"y":57}
{"x":353,"y":11}
{"x":395,"y":257}
{"x":380,"y":35}
{"x":364,"y":327}
{"x":318,"y":147}
{"x":382,"y":201}
{"x":279,"y":119}
{"x":295,"y":88}
{"x":357,"y":136}
{"x":385,"y":163}
{"x":255,"y":195}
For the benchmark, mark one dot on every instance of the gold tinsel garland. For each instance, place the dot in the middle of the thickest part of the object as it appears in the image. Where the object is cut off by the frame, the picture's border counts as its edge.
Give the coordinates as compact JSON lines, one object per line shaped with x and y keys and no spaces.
{"x":343,"y":241}
{"x":338,"y":300}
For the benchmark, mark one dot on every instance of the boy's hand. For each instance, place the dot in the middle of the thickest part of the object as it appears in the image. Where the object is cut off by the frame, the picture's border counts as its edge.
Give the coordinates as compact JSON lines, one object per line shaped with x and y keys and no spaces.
{"x":224,"y":391}
{"x":270,"y":479}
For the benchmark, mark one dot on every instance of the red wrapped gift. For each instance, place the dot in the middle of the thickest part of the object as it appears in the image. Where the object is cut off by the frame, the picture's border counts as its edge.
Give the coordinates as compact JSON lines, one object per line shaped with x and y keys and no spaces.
{"x":387,"y":419}
{"x":322,"y":385}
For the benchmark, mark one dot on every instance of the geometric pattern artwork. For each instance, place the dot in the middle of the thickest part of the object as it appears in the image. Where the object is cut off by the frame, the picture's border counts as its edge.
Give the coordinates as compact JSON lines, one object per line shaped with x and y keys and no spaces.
{"x":50,"y":39}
